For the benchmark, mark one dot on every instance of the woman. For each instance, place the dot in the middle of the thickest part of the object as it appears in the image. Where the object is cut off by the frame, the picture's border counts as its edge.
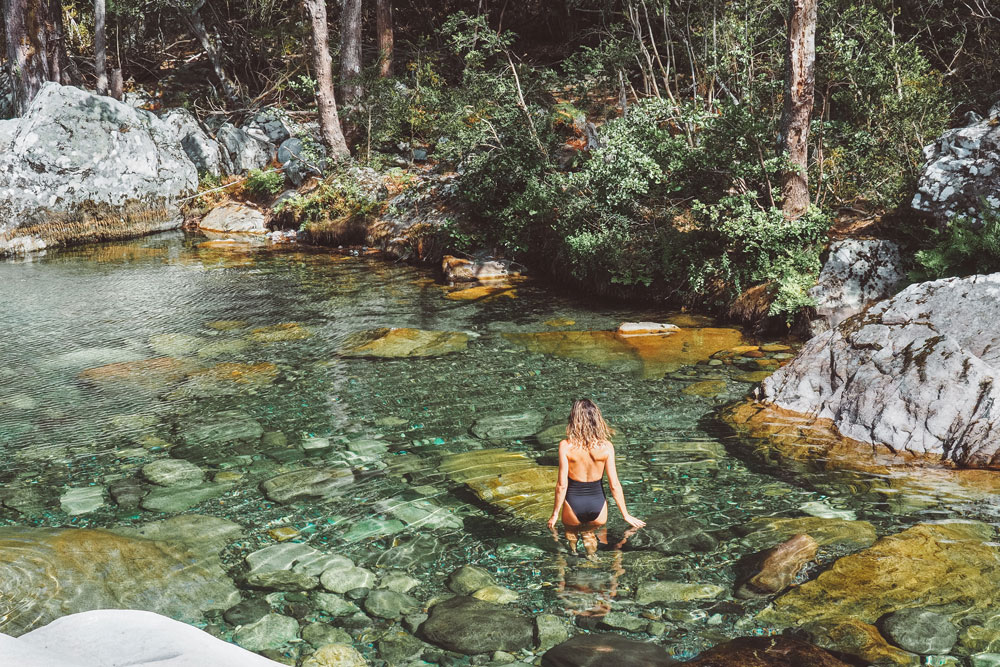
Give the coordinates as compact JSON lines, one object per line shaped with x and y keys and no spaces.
{"x":584,"y":456}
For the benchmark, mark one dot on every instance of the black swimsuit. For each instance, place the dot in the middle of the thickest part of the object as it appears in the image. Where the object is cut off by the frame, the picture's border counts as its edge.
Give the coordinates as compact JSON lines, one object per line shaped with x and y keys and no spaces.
{"x":586,"y":499}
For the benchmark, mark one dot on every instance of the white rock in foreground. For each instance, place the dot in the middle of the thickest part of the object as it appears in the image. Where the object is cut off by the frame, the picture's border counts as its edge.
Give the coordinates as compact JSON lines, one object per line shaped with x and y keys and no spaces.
{"x":122,"y":637}
{"x":77,"y":166}
{"x":918,"y":373}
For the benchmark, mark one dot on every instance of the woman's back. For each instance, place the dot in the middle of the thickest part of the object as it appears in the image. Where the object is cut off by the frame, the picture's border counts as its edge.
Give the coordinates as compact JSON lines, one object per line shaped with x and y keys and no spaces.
{"x":587,"y":464}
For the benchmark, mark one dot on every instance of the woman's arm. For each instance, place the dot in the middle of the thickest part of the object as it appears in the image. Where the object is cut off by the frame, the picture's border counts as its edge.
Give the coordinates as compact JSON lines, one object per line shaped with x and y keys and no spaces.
{"x":616,"y":491}
{"x":561,"y":484}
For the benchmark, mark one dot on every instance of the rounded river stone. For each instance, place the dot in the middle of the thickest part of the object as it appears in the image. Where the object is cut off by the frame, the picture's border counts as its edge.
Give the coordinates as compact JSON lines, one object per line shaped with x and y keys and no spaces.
{"x":920,"y":631}
{"x":471,"y":626}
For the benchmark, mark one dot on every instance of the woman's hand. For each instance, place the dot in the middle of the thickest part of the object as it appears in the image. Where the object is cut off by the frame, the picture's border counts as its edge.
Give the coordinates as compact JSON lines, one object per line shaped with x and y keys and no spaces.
{"x":552,"y":521}
{"x":634,"y":522}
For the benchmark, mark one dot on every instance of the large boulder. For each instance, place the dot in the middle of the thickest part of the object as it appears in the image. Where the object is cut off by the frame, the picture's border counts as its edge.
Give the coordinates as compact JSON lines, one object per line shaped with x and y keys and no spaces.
{"x":79,"y":166}
{"x":241,"y":151}
{"x":914,"y":379}
{"x":856,"y":273}
{"x":962,"y":169}
{"x":201,"y":149}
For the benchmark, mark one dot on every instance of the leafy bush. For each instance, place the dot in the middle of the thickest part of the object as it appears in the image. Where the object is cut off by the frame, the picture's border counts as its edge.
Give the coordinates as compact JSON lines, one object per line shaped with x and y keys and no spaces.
{"x":261,"y":183}
{"x":335,"y":212}
{"x":962,"y":247}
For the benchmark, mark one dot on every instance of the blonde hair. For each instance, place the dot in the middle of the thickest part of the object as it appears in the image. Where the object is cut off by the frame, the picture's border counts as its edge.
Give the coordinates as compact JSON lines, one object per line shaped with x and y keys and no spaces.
{"x":586,"y":427}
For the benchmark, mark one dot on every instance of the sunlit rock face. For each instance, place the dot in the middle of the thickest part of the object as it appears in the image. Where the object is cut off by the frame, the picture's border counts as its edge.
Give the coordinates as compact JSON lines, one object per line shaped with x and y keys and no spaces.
{"x":962,"y":172}
{"x":913,"y":379}
{"x":79,"y":166}
{"x":46,"y":573}
{"x":856,"y":273}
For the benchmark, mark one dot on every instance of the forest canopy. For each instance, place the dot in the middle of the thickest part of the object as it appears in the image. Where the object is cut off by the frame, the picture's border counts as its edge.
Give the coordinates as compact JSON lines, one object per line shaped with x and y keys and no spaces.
{"x":633,"y":141}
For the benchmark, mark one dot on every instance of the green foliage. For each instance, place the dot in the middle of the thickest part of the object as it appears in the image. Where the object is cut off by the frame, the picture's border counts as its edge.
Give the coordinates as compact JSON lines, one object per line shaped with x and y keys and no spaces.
{"x":261,"y":183}
{"x":962,"y":247}
{"x":883,"y":103}
{"x":339,"y":197}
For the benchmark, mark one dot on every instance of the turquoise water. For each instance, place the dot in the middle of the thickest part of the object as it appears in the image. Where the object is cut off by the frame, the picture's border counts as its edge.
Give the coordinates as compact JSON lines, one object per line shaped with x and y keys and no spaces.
{"x":392,"y":421}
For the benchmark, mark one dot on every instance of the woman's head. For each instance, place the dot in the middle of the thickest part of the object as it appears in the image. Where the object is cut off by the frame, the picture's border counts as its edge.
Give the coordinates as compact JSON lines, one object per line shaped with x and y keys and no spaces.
{"x":587,"y":427}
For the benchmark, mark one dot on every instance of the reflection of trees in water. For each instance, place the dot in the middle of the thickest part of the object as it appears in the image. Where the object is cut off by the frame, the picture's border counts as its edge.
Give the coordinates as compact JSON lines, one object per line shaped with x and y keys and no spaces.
{"x":587,"y":585}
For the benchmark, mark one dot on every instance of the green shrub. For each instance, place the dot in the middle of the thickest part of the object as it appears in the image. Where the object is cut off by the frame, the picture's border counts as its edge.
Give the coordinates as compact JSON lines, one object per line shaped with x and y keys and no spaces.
{"x":962,"y":247}
{"x":264,"y":183}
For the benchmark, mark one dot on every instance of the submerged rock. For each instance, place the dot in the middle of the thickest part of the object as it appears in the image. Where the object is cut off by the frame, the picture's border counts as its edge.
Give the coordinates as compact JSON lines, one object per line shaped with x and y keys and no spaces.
{"x":82,"y":500}
{"x":173,"y":472}
{"x":468,"y":579}
{"x":179,"y":498}
{"x":914,"y":380}
{"x":508,"y":426}
{"x":768,"y":531}
{"x":389,"y":604}
{"x":778,"y":567}
{"x":311,"y":483}
{"x":470,"y":626}
{"x":335,"y":655}
{"x":270,"y":631}
{"x":920,"y":631}
{"x":673,"y":533}
{"x":295,"y":556}
{"x":648,"y":356}
{"x":156,"y":373}
{"x":947,"y":565}
{"x":340,"y":578}
{"x":49,"y":572}
{"x":128,"y":171}
{"x":221,"y":428}
{"x":508,"y":480}
{"x":403,"y":343}
{"x":600,"y":649}
{"x":766,"y":652}
{"x":651,"y":592}
{"x":277,"y":333}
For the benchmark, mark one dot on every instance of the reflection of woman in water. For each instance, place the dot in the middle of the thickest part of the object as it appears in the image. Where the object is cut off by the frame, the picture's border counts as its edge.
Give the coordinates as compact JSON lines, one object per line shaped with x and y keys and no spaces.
{"x":584,"y":456}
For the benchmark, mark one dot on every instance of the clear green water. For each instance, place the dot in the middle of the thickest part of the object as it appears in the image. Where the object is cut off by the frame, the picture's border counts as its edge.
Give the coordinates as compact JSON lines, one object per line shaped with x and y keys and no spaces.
{"x":73,"y":310}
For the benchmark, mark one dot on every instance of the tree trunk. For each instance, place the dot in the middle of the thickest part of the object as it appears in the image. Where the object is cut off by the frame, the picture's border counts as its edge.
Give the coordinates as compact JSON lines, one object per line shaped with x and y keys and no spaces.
{"x":800,"y":80}
{"x":27,"y":56}
{"x":56,"y":43}
{"x":383,"y":20}
{"x":100,"y":47}
{"x":117,"y":88}
{"x":350,"y":52}
{"x":329,"y":123}
{"x":193,"y":18}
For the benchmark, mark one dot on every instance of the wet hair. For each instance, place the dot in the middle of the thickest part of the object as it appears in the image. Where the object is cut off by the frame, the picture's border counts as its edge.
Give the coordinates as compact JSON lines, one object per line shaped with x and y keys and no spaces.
{"x":586,"y":427}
